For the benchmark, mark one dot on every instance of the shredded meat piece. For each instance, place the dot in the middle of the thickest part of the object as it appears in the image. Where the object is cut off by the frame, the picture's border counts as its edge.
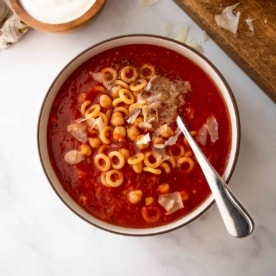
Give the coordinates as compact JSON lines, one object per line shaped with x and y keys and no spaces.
{"x":167,"y":96}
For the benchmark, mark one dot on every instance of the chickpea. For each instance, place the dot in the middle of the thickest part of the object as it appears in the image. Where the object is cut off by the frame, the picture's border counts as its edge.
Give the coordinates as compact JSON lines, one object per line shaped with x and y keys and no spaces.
{"x":184,"y":195}
{"x":133,"y":133}
{"x":85,"y":150}
{"x":149,"y":200}
{"x":141,"y":146}
{"x":168,"y":133}
{"x":94,"y":142}
{"x":135,"y":196}
{"x":117,"y":119}
{"x":124,"y":152}
{"x":119,"y":133}
{"x":138,"y":121}
{"x":83,"y":200}
{"x":105,"y":101}
{"x":138,"y":168}
{"x":163,"y":188}
{"x":114,"y":93}
{"x":156,"y":140}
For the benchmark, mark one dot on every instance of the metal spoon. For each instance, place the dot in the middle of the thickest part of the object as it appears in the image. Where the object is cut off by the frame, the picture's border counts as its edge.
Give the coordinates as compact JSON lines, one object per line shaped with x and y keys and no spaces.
{"x":237,"y":220}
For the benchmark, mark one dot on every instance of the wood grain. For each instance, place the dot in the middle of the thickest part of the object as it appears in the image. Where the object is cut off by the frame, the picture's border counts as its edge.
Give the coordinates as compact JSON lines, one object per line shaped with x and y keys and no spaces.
{"x":254,"y":53}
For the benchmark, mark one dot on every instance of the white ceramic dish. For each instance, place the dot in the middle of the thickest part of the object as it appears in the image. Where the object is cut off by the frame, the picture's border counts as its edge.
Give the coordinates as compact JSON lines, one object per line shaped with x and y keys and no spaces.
{"x":108,"y":44}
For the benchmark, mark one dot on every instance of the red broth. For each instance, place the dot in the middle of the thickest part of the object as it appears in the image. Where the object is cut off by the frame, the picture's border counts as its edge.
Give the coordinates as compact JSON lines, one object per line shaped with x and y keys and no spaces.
{"x":82,"y":181}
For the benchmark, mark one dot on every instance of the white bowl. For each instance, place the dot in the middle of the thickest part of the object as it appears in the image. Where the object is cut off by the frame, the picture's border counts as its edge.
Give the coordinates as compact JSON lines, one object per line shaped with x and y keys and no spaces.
{"x":184,"y":50}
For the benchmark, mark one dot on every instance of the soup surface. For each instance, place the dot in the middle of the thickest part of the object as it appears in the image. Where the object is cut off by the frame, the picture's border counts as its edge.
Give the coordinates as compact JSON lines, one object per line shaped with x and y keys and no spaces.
{"x":114,"y":144}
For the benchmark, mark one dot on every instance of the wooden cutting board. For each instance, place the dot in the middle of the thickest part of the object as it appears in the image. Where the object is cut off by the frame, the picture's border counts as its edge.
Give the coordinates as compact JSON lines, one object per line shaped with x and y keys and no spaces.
{"x":254,"y":52}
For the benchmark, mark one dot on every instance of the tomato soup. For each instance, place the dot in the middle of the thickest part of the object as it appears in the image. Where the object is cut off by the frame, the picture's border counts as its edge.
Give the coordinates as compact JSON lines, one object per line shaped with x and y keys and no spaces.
{"x":114,"y":144}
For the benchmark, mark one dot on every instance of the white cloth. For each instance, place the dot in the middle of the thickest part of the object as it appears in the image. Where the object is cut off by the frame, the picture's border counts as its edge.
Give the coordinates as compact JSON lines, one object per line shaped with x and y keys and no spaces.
{"x":11,"y":27}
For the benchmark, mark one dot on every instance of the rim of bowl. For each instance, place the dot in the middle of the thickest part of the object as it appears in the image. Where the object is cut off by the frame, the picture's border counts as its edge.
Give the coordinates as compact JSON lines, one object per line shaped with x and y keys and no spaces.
{"x":72,"y":65}
{"x":60,"y":27}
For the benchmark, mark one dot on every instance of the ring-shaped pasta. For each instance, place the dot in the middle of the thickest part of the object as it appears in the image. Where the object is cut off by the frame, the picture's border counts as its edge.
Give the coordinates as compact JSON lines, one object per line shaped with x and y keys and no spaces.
{"x":102,"y":162}
{"x":138,"y":85}
{"x":172,"y":161}
{"x":151,"y":160}
{"x":103,"y":117}
{"x":147,"y":71}
{"x":117,"y":160}
{"x":114,"y":178}
{"x":92,"y":111}
{"x":109,"y":75}
{"x":116,"y":102}
{"x":126,"y":96}
{"x":103,"y":149}
{"x":103,"y":179}
{"x":166,"y":167}
{"x":137,"y":105}
{"x":129,"y":73}
{"x":186,"y":163}
{"x":135,"y":159}
{"x":121,"y":83}
{"x":84,"y":106}
{"x":188,"y":153}
{"x":106,"y":134}
{"x":152,"y":170}
{"x":121,"y":109}
{"x":151,"y":213}
{"x":176,"y":150}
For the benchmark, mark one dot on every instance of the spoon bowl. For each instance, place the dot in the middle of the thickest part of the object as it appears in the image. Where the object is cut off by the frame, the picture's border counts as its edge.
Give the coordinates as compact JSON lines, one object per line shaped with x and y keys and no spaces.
{"x":235,"y":217}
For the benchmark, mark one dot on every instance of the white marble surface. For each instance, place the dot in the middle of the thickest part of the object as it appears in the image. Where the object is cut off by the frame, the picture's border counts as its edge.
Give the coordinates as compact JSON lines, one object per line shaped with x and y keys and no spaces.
{"x":40,"y":236}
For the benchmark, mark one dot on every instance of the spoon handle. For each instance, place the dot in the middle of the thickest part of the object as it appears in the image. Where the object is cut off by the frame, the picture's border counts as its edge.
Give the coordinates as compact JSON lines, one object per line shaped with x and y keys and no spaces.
{"x":237,"y":220}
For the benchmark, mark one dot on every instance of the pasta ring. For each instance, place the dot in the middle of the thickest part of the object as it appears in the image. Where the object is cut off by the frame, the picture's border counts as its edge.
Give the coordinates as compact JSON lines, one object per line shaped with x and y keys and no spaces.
{"x":103,"y":149}
{"x":92,"y":111}
{"x":106,"y":134}
{"x":116,"y":102}
{"x":138,"y":85}
{"x":104,"y":118}
{"x":152,"y":170}
{"x":121,"y":109}
{"x":151,"y":214}
{"x":126,"y":96}
{"x":103,"y":179}
{"x":102,"y":162}
{"x":147,"y":71}
{"x":129,"y":74}
{"x":172,"y":161}
{"x":176,"y":150}
{"x":84,"y":106}
{"x":109,"y":75}
{"x":121,"y":83}
{"x":117,"y":160}
{"x":135,"y":159}
{"x":187,"y":161}
{"x":151,"y":161}
{"x":114,"y":178}
{"x":166,"y":167}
